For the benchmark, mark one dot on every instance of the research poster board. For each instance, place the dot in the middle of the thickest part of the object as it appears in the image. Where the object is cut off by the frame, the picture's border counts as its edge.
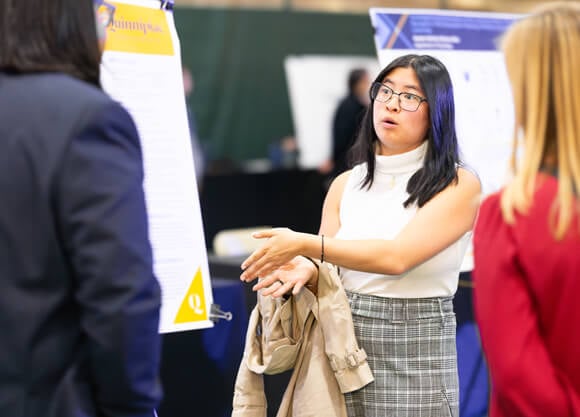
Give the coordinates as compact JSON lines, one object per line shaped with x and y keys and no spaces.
{"x":141,"y":68}
{"x":316,"y":84}
{"x":468,"y":45}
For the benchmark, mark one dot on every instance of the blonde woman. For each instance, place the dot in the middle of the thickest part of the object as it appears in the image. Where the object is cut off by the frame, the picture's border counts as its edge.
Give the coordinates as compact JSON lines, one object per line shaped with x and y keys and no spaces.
{"x":527,"y":238}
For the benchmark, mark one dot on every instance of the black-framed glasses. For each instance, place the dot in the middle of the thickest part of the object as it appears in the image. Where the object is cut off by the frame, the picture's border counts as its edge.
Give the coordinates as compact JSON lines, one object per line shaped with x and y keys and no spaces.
{"x":407,"y":101}
{"x":105,"y":12}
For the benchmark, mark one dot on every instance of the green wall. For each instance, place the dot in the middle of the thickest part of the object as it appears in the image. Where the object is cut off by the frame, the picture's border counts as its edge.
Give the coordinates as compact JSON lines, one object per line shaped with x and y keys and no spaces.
{"x":237,"y":59}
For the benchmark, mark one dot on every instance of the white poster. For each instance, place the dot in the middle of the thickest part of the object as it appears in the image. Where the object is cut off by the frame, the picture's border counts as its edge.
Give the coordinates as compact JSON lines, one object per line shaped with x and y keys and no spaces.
{"x":141,"y":68}
{"x":467,"y":44}
{"x":316,"y":84}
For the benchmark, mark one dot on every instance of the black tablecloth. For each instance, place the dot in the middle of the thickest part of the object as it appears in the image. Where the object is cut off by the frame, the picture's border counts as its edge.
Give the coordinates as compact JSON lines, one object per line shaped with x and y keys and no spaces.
{"x":285,"y":198}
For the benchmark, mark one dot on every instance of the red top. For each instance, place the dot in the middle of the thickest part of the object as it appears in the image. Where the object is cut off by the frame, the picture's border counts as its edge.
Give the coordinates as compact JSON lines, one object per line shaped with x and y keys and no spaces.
{"x":527,"y":305}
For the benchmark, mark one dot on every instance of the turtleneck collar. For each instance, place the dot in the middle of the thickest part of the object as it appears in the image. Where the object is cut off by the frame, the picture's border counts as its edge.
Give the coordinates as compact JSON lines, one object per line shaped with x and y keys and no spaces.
{"x":402,"y":163}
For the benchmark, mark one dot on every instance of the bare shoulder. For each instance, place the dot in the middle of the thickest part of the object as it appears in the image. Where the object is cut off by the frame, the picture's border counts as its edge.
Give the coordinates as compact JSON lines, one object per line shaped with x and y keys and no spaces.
{"x":468,"y":180}
{"x":466,"y":191}
{"x":337,"y":186}
{"x":330,"y":222}
{"x":463,"y":194}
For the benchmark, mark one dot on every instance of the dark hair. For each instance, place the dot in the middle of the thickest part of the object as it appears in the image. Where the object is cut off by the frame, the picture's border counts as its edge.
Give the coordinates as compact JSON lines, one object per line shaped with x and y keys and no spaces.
{"x":50,"y":36}
{"x":354,"y":76}
{"x":440,"y":165}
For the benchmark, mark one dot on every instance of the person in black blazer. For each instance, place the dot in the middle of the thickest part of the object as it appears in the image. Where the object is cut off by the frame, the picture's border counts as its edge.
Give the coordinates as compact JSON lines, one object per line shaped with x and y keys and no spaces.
{"x":347,"y":118}
{"x":79,"y":302}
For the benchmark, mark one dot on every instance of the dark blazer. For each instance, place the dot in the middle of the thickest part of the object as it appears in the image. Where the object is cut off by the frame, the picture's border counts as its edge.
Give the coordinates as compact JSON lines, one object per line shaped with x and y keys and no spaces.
{"x":79,"y":304}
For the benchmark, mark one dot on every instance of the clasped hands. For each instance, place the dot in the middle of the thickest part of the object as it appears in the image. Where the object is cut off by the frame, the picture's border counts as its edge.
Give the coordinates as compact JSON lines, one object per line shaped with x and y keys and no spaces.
{"x":277,"y":264}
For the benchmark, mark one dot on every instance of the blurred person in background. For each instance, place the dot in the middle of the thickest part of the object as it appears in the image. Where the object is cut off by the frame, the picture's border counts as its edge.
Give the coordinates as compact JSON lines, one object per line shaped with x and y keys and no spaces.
{"x":527,"y":237}
{"x":79,"y":303}
{"x":397,"y":225}
{"x":196,"y":148}
{"x":283,"y":153}
{"x":346,"y":121}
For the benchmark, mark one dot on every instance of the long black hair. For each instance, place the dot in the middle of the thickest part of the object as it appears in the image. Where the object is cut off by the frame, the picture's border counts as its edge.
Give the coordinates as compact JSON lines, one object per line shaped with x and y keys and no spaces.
{"x":50,"y":36}
{"x":440,"y":165}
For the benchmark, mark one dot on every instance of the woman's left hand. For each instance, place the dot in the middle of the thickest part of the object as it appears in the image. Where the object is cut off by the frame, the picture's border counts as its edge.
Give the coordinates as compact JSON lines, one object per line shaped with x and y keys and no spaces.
{"x":282,"y":246}
{"x":293,"y":276}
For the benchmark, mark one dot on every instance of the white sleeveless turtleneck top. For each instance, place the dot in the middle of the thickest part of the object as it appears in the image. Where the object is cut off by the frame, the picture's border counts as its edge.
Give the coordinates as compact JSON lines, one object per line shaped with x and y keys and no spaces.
{"x":378,"y":213}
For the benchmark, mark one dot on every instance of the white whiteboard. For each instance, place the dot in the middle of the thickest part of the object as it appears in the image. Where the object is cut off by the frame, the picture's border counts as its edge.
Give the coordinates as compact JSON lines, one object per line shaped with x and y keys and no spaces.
{"x":316,"y":84}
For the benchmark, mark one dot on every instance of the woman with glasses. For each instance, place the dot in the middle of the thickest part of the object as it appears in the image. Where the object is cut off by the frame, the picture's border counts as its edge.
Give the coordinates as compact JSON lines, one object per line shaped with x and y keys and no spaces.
{"x":527,"y":237}
{"x":79,"y":304}
{"x":397,"y":226}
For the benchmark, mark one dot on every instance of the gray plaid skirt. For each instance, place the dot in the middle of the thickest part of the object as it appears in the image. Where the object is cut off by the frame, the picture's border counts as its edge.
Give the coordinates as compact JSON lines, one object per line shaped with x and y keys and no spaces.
{"x":410,"y":344}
